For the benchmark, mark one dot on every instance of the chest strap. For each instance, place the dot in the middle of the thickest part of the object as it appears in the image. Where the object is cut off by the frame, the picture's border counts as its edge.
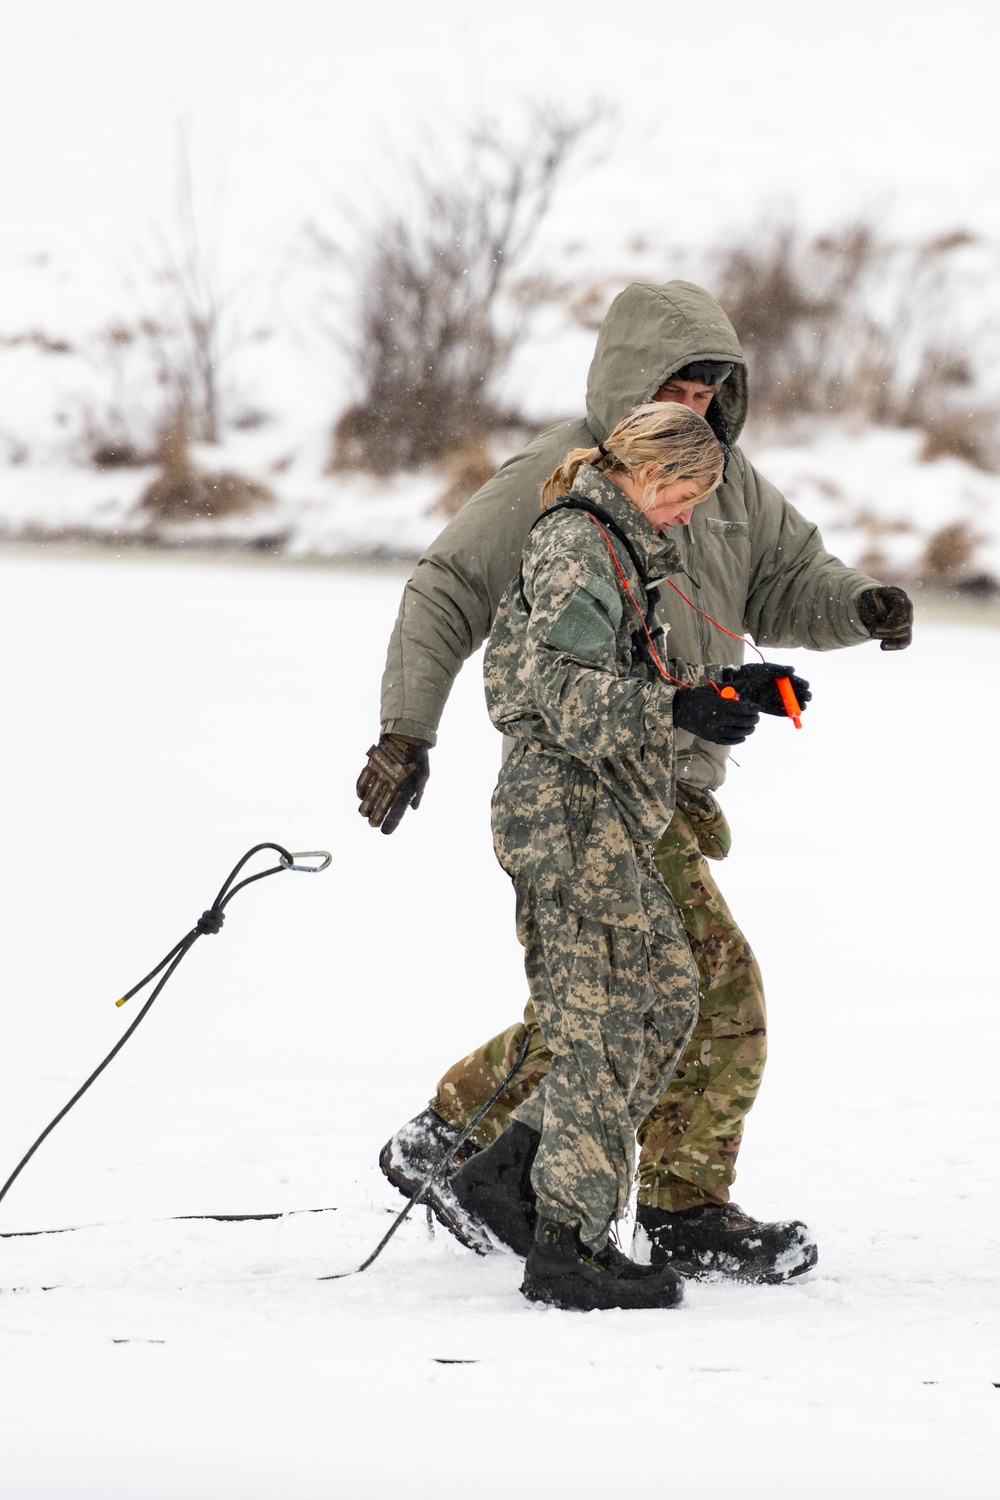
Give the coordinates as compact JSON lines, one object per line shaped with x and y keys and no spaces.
{"x":575,"y":502}
{"x":606,"y":522}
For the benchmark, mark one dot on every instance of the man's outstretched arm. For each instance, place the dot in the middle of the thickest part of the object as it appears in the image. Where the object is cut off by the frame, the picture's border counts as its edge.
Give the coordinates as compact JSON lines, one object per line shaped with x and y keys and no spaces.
{"x":801,"y":595}
{"x":445,"y":615}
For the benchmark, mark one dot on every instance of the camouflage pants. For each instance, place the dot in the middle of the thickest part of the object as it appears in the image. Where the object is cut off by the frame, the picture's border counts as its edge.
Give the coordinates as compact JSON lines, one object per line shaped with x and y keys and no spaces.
{"x":615,"y":1009}
{"x":690,"y":1140}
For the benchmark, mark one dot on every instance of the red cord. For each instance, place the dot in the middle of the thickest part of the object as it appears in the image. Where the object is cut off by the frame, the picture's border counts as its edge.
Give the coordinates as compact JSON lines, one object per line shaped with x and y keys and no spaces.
{"x":624,"y":582}
{"x":731,"y":633}
{"x":653,"y":651}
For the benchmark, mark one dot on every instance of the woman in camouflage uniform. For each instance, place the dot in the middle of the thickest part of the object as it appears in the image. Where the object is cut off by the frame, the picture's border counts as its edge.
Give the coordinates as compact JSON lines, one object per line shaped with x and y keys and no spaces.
{"x":576,"y":677}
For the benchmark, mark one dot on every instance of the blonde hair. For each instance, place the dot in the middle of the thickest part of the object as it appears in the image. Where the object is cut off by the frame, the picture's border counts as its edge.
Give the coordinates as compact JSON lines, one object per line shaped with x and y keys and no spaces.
{"x":661,"y":432}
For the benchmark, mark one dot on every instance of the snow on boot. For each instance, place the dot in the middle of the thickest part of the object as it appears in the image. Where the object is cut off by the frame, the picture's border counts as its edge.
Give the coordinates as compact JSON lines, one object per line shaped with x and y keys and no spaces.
{"x":720,"y":1241}
{"x":494,"y":1187}
{"x":562,"y":1272}
{"x":411,"y":1157}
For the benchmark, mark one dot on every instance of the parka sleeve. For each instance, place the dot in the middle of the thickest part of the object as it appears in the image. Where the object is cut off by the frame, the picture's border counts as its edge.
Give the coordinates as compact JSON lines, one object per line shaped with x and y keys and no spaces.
{"x":449,"y":603}
{"x":800,"y":594}
{"x":570,"y":661}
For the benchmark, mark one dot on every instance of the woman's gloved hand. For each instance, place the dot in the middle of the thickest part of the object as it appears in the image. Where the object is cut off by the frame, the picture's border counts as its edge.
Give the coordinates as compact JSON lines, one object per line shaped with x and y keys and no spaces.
{"x":756,"y":682}
{"x":703,"y":711}
{"x":393,"y":780}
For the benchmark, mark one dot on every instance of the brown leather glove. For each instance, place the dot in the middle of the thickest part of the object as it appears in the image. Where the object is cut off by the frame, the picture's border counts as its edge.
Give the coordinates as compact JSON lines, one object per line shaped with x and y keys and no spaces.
{"x":887,"y":615}
{"x":393,"y":780}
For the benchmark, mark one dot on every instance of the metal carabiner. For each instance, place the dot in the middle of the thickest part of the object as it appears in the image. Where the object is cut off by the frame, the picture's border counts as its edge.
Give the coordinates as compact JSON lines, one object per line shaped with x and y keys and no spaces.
{"x":321,"y":854}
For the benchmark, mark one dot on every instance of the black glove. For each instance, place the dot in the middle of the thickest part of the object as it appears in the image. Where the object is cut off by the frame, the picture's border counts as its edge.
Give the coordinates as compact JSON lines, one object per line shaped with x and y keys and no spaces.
{"x":887,"y":615}
{"x":393,"y":780}
{"x":703,"y":711}
{"x":755,"y":683}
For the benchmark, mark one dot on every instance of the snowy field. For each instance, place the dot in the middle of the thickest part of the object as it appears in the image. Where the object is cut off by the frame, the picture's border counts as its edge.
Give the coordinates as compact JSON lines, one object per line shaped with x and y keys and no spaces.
{"x":160,"y":718}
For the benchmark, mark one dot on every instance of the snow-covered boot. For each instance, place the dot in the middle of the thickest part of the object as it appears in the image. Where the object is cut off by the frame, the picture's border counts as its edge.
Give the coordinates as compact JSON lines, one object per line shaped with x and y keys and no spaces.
{"x":494,"y":1187}
{"x":564,"y":1273}
{"x":412,"y":1156}
{"x":718,"y":1240}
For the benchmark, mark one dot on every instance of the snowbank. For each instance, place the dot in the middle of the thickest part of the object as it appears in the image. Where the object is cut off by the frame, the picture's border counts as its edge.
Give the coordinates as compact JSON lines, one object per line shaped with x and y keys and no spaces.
{"x":877,"y":503}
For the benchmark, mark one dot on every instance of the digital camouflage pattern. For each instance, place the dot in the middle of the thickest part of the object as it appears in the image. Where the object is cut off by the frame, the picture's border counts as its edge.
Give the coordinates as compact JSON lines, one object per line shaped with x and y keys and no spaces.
{"x":587,"y":789}
{"x":748,"y":557}
{"x":689,"y":1141}
{"x":616,"y":1007}
{"x":752,"y":562}
{"x":566,"y":673}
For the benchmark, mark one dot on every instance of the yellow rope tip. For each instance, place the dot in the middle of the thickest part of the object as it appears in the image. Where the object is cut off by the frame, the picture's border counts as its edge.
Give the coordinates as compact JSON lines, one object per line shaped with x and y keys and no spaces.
{"x":121,"y":1001}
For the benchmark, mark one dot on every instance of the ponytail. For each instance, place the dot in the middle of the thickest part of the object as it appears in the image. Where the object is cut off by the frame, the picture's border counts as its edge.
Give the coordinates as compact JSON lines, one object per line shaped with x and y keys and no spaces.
{"x":560,"y":482}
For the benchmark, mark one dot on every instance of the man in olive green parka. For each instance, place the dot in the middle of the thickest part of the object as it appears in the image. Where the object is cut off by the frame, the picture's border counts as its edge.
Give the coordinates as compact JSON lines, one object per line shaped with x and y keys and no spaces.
{"x":754,"y":564}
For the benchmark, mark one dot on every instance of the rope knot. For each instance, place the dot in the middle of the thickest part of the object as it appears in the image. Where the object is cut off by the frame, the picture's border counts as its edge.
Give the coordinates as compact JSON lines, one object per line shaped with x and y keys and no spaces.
{"x":210,"y":922}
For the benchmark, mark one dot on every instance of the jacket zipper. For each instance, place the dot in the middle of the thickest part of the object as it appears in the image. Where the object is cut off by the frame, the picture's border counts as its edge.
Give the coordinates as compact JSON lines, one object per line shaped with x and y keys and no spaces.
{"x":702,"y":627}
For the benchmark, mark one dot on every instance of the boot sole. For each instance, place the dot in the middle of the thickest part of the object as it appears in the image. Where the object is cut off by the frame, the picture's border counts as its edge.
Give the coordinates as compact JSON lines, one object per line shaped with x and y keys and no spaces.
{"x":448,"y":1212}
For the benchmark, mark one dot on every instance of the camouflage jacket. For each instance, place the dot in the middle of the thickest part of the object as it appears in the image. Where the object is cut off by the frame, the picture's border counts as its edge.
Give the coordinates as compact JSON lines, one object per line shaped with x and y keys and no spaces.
{"x":748,"y":558}
{"x":568,"y":677}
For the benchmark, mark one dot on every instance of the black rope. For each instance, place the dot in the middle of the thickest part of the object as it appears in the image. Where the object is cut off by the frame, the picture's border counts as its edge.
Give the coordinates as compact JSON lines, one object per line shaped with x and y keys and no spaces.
{"x":439,"y":1167}
{"x":210,"y":922}
{"x":281,"y":1213}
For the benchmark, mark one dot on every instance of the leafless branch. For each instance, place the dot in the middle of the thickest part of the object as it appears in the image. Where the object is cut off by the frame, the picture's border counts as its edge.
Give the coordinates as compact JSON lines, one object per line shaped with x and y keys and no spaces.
{"x":435,"y":325}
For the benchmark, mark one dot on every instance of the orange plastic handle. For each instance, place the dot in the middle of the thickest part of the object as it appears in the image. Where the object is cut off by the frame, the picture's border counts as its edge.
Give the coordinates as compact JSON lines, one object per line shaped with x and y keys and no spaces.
{"x":793,"y":708}
{"x":728,"y":692}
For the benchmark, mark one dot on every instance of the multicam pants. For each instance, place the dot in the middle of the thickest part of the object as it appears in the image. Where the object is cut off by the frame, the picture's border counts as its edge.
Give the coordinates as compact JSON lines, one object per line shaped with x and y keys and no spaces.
{"x":690,"y":1140}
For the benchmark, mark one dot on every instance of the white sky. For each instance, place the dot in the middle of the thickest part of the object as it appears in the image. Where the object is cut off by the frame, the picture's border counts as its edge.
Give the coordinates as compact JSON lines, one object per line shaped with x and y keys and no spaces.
{"x":724,"y":107}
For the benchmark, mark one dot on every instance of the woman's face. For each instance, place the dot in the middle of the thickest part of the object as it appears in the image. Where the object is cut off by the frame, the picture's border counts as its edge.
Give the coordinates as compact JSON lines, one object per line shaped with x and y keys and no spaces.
{"x":673,"y":505}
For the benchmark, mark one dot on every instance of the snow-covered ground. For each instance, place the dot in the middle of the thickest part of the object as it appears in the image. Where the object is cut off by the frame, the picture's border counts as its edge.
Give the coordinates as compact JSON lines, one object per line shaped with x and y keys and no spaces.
{"x":879,"y":505}
{"x":160,"y":718}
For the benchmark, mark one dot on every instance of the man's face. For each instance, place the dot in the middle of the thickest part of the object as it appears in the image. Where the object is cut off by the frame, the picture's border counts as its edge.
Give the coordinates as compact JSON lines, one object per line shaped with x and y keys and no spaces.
{"x":687,"y":393}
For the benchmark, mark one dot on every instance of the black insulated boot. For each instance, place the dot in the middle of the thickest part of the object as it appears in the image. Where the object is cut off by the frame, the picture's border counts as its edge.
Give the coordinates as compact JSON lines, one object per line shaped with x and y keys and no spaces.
{"x":718,"y":1241}
{"x":494,"y":1187}
{"x":564,"y":1273}
{"x":412,"y":1156}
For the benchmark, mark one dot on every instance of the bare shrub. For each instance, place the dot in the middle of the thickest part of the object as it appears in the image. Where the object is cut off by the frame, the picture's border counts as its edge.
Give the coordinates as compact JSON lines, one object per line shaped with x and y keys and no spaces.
{"x":848,"y":324}
{"x":948,"y":554}
{"x":467,"y":470}
{"x":587,"y":305}
{"x":182,"y":492}
{"x":37,"y":339}
{"x":969,"y":435}
{"x":172,"y":357}
{"x":190,"y":336}
{"x":874,"y":528}
{"x":437,"y":318}
{"x":108,"y":454}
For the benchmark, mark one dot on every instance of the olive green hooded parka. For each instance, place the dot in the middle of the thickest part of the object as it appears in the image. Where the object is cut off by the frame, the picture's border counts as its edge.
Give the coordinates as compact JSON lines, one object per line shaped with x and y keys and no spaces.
{"x":748,"y":558}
